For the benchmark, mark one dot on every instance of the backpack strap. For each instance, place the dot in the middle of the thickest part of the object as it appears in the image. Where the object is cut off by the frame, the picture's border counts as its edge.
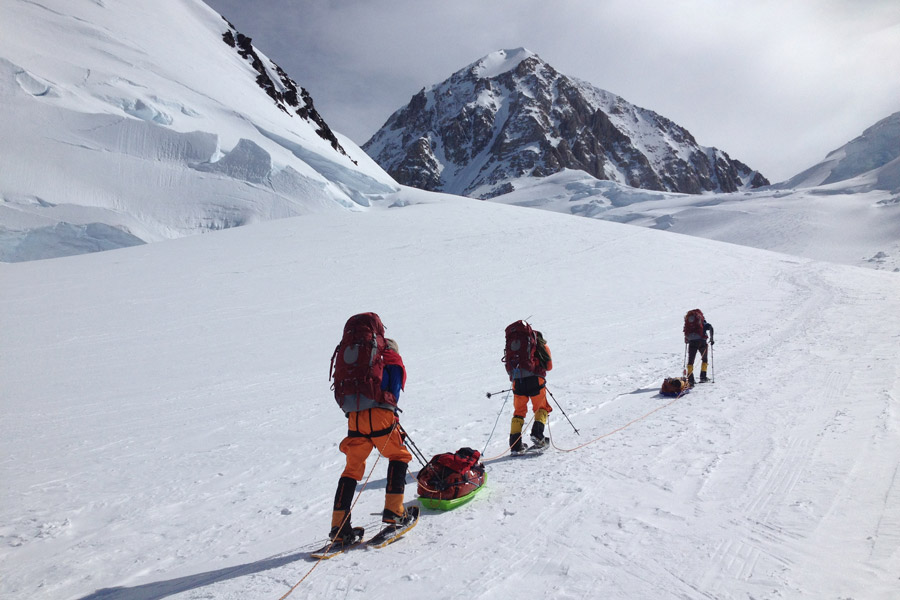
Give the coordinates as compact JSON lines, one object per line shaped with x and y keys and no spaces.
{"x":331,"y":368}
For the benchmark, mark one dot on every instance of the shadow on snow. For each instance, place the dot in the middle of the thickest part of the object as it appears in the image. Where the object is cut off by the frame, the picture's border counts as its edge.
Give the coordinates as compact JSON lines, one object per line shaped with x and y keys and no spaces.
{"x":163,"y":589}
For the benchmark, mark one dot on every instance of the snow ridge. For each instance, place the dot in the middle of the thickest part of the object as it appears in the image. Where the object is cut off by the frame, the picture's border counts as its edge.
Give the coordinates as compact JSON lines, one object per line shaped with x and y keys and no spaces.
{"x":873,"y":158}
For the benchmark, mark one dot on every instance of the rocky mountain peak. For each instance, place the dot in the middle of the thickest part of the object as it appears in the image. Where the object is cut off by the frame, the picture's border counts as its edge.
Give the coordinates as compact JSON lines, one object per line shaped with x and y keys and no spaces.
{"x":284,"y":91}
{"x":511,"y":115}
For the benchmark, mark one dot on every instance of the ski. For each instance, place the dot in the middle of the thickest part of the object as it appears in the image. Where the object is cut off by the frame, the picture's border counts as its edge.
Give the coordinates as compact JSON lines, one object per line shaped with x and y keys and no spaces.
{"x":332,"y":549}
{"x":529,"y":450}
{"x":392,"y":533}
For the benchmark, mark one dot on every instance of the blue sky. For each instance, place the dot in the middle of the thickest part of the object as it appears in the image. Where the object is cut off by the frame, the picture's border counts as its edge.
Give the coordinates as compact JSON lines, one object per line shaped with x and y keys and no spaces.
{"x":775,"y":84}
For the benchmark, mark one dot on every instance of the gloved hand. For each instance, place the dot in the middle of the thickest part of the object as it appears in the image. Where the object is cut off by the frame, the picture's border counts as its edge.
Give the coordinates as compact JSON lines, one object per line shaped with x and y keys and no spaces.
{"x":712,"y":342}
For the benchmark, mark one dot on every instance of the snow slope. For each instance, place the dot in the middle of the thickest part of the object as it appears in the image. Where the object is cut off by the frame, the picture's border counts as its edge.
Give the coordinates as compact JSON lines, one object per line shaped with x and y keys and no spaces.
{"x":125,"y":123}
{"x":168,"y":430}
{"x":873,"y":157}
{"x":836,"y":222}
{"x":845,"y":209}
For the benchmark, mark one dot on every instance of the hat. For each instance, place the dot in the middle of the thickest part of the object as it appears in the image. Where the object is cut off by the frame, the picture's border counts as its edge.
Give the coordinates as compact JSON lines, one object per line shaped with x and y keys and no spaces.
{"x":388,"y":342}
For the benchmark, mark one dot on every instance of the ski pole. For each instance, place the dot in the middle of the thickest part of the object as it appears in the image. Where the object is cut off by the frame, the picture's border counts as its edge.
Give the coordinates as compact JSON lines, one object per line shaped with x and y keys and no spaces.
{"x":416,"y":452}
{"x":712,"y":368}
{"x":489,"y":394}
{"x":497,"y":420}
{"x":562,"y":411}
{"x":684,"y":362}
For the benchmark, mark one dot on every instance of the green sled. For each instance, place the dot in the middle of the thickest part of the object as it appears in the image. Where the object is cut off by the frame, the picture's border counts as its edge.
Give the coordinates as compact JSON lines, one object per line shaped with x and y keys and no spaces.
{"x":436,"y":504}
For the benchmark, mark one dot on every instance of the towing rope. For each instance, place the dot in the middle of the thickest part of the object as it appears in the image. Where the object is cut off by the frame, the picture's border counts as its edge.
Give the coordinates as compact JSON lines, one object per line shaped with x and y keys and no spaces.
{"x":618,"y":429}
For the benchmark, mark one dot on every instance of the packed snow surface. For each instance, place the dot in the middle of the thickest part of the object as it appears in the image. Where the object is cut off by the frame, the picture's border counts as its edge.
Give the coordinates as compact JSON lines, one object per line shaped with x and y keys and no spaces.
{"x":168,"y":429}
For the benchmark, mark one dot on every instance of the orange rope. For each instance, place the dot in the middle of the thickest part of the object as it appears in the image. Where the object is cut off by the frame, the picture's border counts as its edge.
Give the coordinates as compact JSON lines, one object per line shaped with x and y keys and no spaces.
{"x":509,"y":448}
{"x":617,"y":430}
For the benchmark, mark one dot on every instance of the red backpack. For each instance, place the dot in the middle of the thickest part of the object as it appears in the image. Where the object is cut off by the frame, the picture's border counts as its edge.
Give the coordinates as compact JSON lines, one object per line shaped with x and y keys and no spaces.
{"x":693,"y":322}
{"x":358,"y":361}
{"x":520,"y":354}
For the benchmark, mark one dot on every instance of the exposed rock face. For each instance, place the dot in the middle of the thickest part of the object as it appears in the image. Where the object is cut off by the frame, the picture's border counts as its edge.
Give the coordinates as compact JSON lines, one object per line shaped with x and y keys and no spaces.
{"x":511,"y":115}
{"x":288,"y":96}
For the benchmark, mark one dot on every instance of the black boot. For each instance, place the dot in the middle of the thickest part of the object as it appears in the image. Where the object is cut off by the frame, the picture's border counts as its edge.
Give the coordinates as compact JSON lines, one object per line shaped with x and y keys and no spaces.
{"x":342,"y":530}
{"x":396,"y":477}
{"x":346,"y":533}
{"x":703,"y":377}
{"x":537,"y":435}
{"x":343,"y":497}
{"x":396,"y":481}
{"x":691,"y":381}
{"x":389,"y":517}
{"x":515,"y":442}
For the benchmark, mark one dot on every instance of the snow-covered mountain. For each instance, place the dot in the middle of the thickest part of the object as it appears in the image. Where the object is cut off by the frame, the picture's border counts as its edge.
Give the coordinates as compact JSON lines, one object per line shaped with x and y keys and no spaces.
{"x":125,"y":124}
{"x":872,"y":160}
{"x":845,"y":210}
{"x":510,"y":115}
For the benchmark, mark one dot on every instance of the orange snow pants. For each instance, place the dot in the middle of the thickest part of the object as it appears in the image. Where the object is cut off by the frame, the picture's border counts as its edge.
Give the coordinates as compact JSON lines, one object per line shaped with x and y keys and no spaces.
{"x":357,"y":446}
{"x":533,"y":390}
{"x":386,"y":439}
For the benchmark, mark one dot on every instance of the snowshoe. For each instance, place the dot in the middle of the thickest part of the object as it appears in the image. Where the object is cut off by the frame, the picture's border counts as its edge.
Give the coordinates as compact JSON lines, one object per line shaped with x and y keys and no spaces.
{"x":394,"y":531}
{"x":522,"y":449}
{"x":339,"y":541}
{"x":539,"y":442}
